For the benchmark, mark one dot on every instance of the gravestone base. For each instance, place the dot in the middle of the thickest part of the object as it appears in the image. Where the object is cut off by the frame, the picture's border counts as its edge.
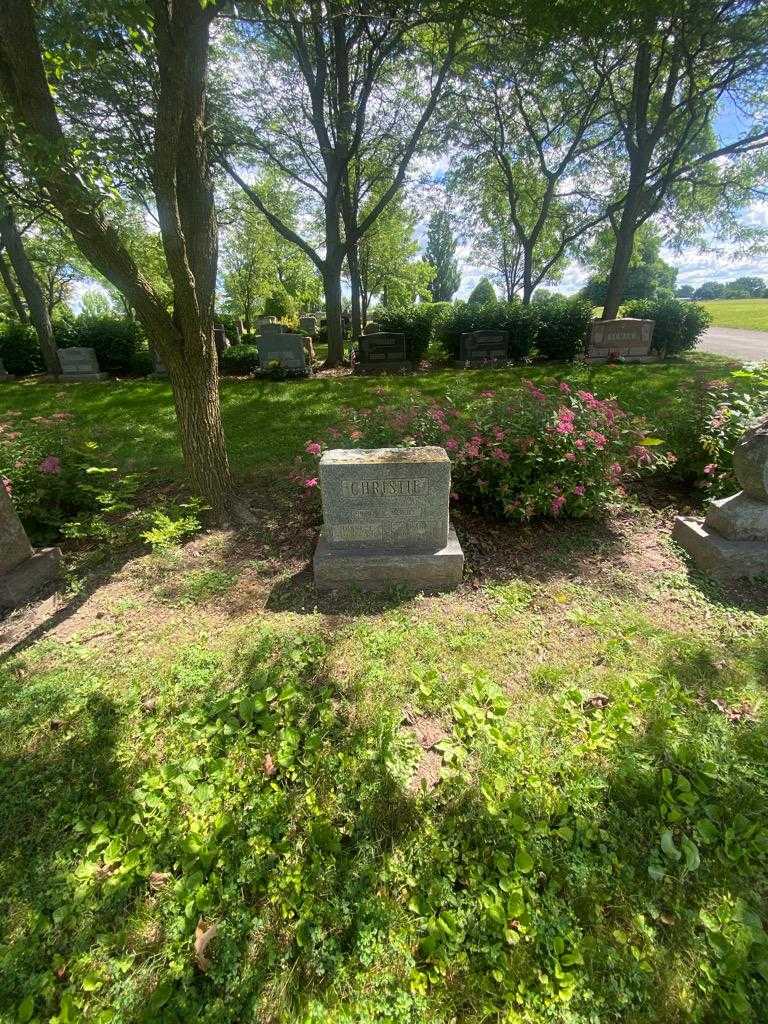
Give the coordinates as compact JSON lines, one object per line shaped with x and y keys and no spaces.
{"x":723,"y":558}
{"x":371,"y":369}
{"x":22,"y":582}
{"x":622,"y":358}
{"x":7,"y":376}
{"x":80,"y":378}
{"x":479,"y":364}
{"x":372,"y":569}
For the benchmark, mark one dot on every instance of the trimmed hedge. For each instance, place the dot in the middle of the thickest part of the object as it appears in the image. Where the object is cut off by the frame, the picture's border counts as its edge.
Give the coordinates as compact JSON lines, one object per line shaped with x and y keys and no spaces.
{"x":239,"y":360}
{"x":520,"y":321}
{"x":679,"y":325}
{"x":563,"y":327}
{"x":118,"y":344}
{"x":19,"y":350}
{"x":417,"y":322}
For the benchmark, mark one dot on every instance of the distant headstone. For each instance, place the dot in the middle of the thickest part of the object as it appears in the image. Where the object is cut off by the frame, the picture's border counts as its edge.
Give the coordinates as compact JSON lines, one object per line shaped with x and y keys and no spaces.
{"x":477,"y":348}
{"x":381,"y":352}
{"x":385,"y":521}
{"x":285,"y":352}
{"x":79,"y":364}
{"x":220,"y":340}
{"x":270,"y":327}
{"x":372,"y":328}
{"x":627,"y":340}
{"x":4,"y":375}
{"x":22,"y":571}
{"x":732,"y":541}
{"x":308,"y":325}
{"x":159,"y":371}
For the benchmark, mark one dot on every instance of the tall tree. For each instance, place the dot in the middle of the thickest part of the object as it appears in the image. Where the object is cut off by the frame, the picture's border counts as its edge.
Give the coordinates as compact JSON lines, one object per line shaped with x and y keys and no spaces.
{"x":441,"y":254}
{"x":39,"y":313}
{"x":168,"y":42}
{"x":389,"y":262}
{"x":537,"y":111}
{"x":333,"y":94}
{"x":678,"y":64}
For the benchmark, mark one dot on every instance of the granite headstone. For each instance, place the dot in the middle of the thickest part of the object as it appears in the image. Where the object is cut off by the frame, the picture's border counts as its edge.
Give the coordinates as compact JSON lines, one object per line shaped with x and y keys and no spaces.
{"x":627,"y":340}
{"x":381,"y":352}
{"x":284,"y":352}
{"x":79,"y":364}
{"x":477,"y":348}
{"x":4,"y":375}
{"x":385,"y":521}
{"x":22,"y":570}
{"x":732,"y":540}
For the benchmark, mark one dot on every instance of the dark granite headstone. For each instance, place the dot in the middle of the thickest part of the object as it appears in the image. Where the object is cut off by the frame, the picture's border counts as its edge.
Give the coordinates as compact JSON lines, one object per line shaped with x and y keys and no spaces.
{"x":79,"y":364}
{"x":283,"y":352}
{"x":381,"y":352}
{"x":480,"y":347}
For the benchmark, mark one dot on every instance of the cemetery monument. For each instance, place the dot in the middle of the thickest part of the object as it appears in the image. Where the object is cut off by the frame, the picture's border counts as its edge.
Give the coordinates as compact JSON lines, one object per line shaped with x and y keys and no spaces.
{"x":22,"y":570}
{"x":381,"y":352}
{"x":79,"y":364}
{"x":480,"y":347}
{"x":285,"y":352}
{"x":385,"y":521}
{"x":627,"y":340}
{"x":732,"y":540}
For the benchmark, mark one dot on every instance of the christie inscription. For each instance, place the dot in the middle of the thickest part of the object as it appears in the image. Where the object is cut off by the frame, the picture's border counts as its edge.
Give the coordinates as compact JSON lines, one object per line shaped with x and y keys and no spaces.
{"x":356,"y":488}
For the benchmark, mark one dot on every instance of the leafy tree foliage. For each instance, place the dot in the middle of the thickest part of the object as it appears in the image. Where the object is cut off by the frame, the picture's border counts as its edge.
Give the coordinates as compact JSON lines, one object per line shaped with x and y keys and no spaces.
{"x":482,"y":293}
{"x":440,"y":253}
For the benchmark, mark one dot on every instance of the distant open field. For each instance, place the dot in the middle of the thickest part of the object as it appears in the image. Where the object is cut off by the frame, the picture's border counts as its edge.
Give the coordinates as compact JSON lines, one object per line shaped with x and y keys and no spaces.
{"x":746,"y":314}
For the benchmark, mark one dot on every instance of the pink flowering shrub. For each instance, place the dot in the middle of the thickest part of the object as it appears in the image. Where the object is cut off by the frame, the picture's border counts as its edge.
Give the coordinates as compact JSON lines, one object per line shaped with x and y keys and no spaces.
{"x":541,"y":451}
{"x":52,"y":473}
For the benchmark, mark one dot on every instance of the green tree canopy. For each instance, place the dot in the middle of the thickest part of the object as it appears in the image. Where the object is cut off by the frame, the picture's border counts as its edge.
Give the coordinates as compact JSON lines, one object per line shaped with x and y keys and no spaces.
{"x":440,"y":253}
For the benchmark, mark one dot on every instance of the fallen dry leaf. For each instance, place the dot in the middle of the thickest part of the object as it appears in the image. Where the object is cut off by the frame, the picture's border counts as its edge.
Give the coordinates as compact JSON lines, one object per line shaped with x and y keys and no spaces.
{"x":740,"y":713}
{"x":269,"y":766}
{"x":157,"y":880}
{"x":203,"y":935}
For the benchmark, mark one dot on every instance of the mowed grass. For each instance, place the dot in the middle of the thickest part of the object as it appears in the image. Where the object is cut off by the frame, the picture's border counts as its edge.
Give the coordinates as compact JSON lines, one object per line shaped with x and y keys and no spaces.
{"x":268,"y":423}
{"x":541,"y":799}
{"x":747,"y":314}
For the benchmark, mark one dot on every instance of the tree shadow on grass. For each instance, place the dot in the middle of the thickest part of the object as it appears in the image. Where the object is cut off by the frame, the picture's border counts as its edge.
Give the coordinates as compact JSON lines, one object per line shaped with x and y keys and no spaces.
{"x":47,"y":783}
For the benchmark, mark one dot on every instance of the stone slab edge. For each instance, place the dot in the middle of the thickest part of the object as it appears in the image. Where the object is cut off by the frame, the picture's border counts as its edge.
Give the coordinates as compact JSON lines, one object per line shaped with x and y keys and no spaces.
{"x":22,"y":583}
{"x":725,"y":559}
{"x":80,"y":378}
{"x":372,"y":570}
{"x":369,"y":369}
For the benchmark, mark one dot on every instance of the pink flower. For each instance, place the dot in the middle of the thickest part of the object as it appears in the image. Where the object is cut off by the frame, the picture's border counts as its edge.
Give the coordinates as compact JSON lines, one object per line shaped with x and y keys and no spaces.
{"x":313,"y":448}
{"x":710,"y":469}
{"x":355,"y":435}
{"x":534,"y":391}
{"x":500,"y":454}
{"x":565,"y":388}
{"x":580,"y":490}
{"x":570,"y":456}
{"x":580,"y":444}
{"x":6,"y":485}
{"x":50,"y":464}
{"x":487,"y":394}
{"x":451,"y":444}
{"x":599,"y":440}
{"x":333,"y":432}
{"x":614,"y":469}
{"x":556,"y":504}
{"x":311,"y":482}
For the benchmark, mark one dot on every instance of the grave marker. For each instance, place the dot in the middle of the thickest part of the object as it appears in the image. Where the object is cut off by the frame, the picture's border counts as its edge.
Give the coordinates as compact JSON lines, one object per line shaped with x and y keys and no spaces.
{"x":480,"y":347}
{"x":732,"y":540}
{"x":627,"y":339}
{"x":4,"y":375}
{"x":22,"y":570}
{"x":385,"y":521}
{"x":381,"y":352}
{"x":286,"y":350}
{"x":79,"y":364}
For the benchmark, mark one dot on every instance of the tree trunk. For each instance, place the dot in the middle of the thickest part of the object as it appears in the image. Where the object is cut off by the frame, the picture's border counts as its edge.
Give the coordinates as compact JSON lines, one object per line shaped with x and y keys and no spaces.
{"x":625,"y":243}
{"x":30,"y":287}
{"x":332,"y":283}
{"x":195,"y":384}
{"x":353,"y":263}
{"x":13,"y":291}
{"x":527,"y":275}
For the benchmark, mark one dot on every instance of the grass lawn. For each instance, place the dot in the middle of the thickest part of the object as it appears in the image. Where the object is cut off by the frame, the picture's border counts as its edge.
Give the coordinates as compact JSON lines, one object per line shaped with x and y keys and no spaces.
{"x":541,"y":798}
{"x":747,"y":314}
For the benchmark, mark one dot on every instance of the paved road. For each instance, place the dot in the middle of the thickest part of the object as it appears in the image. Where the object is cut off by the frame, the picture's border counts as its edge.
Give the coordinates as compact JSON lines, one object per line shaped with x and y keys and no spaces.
{"x":728,"y":341}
